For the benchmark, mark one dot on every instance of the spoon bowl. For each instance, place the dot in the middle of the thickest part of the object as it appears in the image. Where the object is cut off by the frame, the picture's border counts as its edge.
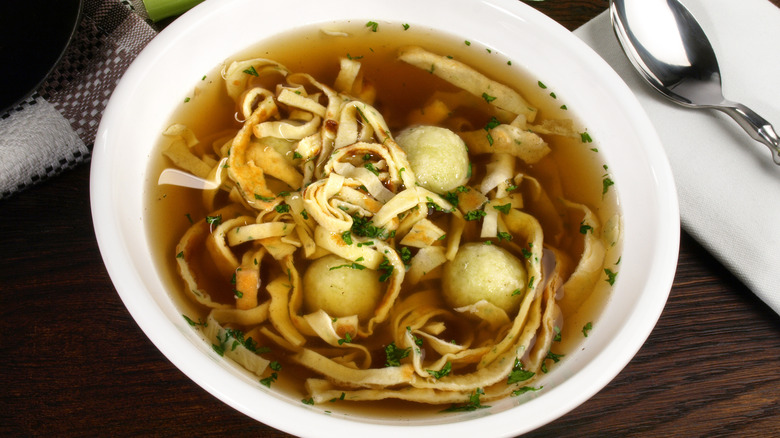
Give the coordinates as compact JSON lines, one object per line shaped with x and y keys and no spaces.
{"x":670,"y":50}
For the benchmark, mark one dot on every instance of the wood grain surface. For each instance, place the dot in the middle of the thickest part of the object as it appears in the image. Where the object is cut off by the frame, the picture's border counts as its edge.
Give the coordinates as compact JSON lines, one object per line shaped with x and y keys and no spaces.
{"x":74,"y":363}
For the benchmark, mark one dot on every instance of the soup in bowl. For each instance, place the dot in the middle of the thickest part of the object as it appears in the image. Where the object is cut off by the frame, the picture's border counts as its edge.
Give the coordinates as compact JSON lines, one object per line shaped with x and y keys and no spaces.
{"x":385,"y":218}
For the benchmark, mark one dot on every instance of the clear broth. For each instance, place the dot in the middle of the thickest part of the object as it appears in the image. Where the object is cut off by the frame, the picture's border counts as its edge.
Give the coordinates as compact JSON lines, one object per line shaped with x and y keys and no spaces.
{"x":400,"y":87}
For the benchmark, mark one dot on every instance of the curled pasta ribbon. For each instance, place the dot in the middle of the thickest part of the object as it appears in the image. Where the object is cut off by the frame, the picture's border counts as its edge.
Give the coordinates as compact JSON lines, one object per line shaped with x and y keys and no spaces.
{"x":317,"y":201}
{"x":468,"y":79}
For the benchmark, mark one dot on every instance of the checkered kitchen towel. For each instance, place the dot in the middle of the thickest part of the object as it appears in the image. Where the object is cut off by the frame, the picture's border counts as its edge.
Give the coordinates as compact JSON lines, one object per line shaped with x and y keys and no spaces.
{"x":54,"y":129}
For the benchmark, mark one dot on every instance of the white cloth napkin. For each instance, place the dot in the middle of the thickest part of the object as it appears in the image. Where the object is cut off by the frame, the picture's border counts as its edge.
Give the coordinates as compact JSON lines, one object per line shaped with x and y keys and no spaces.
{"x":729,"y":188}
{"x":54,"y":129}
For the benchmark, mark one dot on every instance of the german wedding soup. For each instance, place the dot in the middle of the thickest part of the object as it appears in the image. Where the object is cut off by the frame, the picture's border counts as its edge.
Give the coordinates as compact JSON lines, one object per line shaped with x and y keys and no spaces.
{"x":368,"y":216}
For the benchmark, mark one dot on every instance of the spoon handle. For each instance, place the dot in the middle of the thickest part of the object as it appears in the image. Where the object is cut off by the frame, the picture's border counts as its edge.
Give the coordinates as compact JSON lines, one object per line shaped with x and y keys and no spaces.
{"x":756,"y":126}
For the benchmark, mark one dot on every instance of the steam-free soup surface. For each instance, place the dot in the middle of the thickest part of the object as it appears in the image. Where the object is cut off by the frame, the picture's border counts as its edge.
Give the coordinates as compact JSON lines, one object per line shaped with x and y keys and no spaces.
{"x":552,"y":225}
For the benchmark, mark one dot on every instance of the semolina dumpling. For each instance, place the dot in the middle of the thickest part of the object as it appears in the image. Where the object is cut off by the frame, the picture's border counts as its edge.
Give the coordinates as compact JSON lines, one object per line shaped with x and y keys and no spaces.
{"x":484,"y":272}
{"x":334,"y":285}
{"x":438,"y":157}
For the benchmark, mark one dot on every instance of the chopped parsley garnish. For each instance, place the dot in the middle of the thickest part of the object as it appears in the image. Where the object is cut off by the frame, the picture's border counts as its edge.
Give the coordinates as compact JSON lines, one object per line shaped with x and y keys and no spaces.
{"x":405,"y":26}
{"x":531,"y":283}
{"x":357,"y":266}
{"x":587,"y":328}
{"x":518,"y":374}
{"x":180,"y":255}
{"x":524,"y":389}
{"x":297,"y":156}
{"x":269,"y":380}
{"x":251,"y":71}
{"x":467,"y":42}
{"x":606,"y":183}
{"x":503,"y":235}
{"x":394,"y":355}
{"x":373,"y":25}
{"x":264,"y":198}
{"x":186,"y":99}
{"x":193,"y":323}
{"x":488,"y":98}
{"x":445,"y":370}
{"x":237,"y":293}
{"x":517,"y":292}
{"x":551,"y":356}
{"x":474,"y":215}
{"x":503,"y":208}
{"x":526,"y":253}
{"x":541,"y":85}
{"x":282,"y":208}
{"x":387,"y":267}
{"x":214,"y":220}
{"x":557,"y":331}
{"x":364,"y":228}
{"x":584,"y":228}
{"x":304,"y":214}
{"x":218,"y":349}
{"x":308,"y":401}
{"x":472,"y":405}
{"x":585,"y":137}
{"x":346,"y":236}
{"x":371,"y":168}
{"x":611,"y":276}
{"x":347,"y":339}
{"x":189,"y":218}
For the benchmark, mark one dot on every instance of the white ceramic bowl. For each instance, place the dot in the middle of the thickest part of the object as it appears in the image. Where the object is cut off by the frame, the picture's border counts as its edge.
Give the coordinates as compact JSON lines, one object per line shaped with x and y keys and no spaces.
{"x":198,"y":41}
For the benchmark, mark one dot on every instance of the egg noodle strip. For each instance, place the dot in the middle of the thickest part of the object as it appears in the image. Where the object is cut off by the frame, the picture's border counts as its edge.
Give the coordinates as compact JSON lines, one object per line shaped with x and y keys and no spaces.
{"x":335,"y":245}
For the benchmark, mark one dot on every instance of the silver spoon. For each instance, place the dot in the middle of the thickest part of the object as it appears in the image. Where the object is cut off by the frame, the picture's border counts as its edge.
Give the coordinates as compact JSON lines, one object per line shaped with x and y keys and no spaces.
{"x":671,"y":52}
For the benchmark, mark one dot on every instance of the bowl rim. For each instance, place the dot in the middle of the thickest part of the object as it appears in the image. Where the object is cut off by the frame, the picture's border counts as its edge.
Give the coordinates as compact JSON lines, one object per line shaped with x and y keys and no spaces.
{"x":115,"y":211}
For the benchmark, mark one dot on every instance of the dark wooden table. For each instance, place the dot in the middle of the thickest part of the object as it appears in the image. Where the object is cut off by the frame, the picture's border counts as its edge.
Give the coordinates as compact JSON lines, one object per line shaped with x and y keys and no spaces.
{"x":75,"y":363}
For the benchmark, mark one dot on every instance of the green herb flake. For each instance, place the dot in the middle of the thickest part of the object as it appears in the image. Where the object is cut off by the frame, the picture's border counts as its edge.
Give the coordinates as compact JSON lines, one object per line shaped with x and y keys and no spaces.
{"x":524,"y":389}
{"x":488,"y":98}
{"x":587,"y":328}
{"x":517,"y":292}
{"x":557,"y":337}
{"x":519,"y":374}
{"x":371,"y":168}
{"x":373,"y":25}
{"x":282,"y":208}
{"x":269,"y":380}
{"x":297,"y":156}
{"x":564,"y":107}
{"x":346,"y":236}
{"x":611,"y":276}
{"x":308,"y":401}
{"x":541,"y":85}
{"x":467,"y":42}
{"x":218,"y":349}
{"x":474,"y":215}
{"x":193,"y":323}
{"x":251,"y":71}
{"x":180,"y":255}
{"x":189,"y":218}
{"x":406,"y":26}
{"x":357,"y":266}
{"x":394,"y":355}
{"x":264,"y":198}
{"x":503,"y":208}
{"x":606,"y":184}
{"x":214,"y":220}
{"x":585,"y":137}
{"x":584,"y":228}
{"x":445,"y":370}
{"x":186,"y":99}
{"x":471,"y":405}
{"x":503,"y":235}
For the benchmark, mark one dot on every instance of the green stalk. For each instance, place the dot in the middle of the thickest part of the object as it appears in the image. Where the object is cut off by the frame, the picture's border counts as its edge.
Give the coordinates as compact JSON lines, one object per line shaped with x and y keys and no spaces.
{"x":159,"y":9}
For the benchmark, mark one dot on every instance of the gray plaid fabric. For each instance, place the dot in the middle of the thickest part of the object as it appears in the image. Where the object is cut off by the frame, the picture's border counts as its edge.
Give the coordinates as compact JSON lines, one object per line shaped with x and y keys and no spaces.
{"x":54,"y":129}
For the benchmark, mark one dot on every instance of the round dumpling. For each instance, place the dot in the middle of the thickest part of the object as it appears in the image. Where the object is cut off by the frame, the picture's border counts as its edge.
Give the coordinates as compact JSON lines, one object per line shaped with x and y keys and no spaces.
{"x":484,"y":272}
{"x":438,"y":157}
{"x":333,"y":285}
